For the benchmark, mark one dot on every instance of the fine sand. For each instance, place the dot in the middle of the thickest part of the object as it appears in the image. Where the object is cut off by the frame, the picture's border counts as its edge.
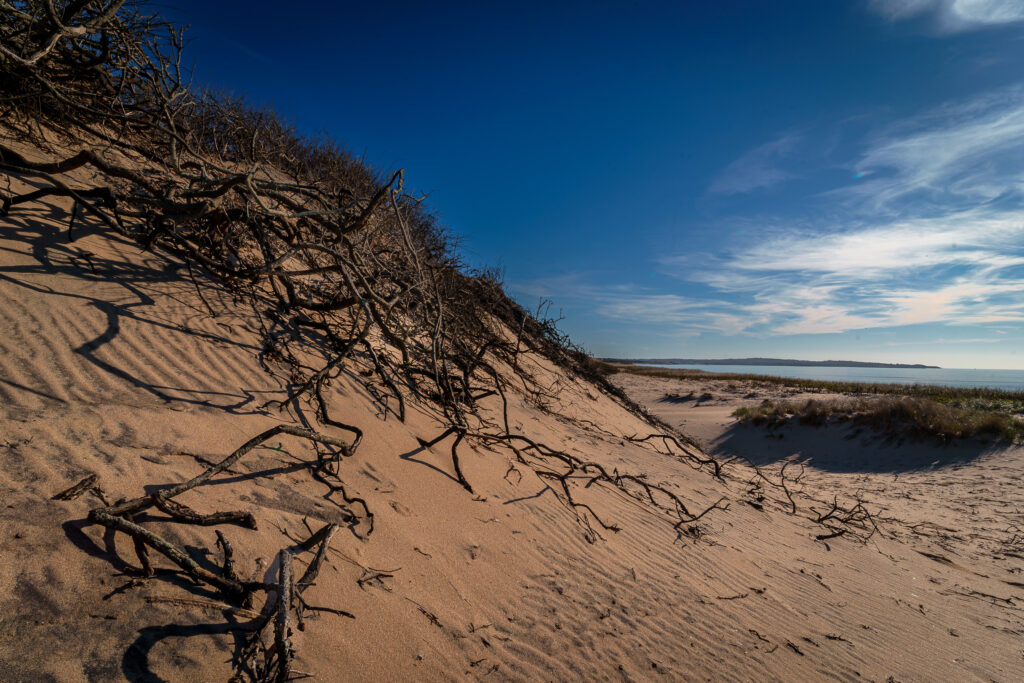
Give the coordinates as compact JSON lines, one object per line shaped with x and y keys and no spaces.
{"x":111,"y":365}
{"x":961,"y":501}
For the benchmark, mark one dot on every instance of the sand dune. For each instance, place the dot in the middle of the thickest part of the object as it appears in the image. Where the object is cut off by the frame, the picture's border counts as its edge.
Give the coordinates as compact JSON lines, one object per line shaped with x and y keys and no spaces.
{"x":110,"y":364}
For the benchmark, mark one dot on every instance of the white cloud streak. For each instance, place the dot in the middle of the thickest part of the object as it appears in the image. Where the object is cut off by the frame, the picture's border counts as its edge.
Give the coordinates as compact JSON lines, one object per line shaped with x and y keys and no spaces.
{"x":963,"y":268}
{"x":935,"y":235}
{"x":759,"y":168}
{"x":952,"y":158}
{"x":953,"y":15}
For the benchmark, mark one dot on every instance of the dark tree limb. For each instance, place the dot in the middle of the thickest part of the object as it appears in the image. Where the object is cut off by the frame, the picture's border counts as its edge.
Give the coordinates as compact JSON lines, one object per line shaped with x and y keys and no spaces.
{"x":77,"y":490}
{"x":282,"y":629}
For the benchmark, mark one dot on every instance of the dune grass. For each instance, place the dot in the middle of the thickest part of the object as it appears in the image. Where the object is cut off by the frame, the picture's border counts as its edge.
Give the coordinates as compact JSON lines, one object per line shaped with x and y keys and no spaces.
{"x":912,"y":416}
{"x":977,"y":398}
{"x":917,"y":410}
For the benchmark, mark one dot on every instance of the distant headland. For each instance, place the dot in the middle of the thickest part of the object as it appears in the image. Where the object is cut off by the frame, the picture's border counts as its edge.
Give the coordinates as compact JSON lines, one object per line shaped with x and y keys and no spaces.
{"x":770,"y":361}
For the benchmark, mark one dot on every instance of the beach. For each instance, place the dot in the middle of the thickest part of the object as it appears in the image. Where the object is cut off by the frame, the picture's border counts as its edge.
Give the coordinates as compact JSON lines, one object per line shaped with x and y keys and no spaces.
{"x":263,"y":420}
{"x":956,"y":500}
{"x":1004,"y":380}
{"x":133,"y":381}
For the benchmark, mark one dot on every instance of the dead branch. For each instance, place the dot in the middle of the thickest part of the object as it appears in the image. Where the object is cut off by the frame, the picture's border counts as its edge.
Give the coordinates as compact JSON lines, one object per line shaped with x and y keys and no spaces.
{"x":229,"y":561}
{"x":282,"y":629}
{"x":76,"y":490}
{"x":183,"y":513}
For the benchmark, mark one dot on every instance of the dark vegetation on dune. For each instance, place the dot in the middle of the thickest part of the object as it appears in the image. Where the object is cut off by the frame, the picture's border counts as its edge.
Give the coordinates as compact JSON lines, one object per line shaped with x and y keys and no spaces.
{"x":768,"y":362}
{"x":341,"y":269}
{"x":911,"y":416}
{"x":978,"y":397}
{"x":915,"y":410}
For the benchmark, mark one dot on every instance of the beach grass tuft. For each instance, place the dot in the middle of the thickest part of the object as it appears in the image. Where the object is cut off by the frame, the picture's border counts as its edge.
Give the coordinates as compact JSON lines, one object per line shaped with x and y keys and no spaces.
{"x":976,"y":397}
{"x":913,"y":416}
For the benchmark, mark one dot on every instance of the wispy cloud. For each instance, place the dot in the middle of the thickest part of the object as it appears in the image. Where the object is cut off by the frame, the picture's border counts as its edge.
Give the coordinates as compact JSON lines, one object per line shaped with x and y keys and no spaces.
{"x":758,"y":168}
{"x":634,"y":304}
{"x":966,"y":268}
{"x":684,"y":315}
{"x":944,"y":341}
{"x":935,"y":234}
{"x":951,"y":158}
{"x":953,"y":15}
{"x":963,"y":268}
{"x":975,"y":239}
{"x":252,"y":54}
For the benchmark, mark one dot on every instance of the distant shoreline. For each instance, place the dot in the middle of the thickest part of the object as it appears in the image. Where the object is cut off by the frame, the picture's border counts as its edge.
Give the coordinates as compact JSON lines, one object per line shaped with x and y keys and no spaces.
{"x":780,"y":362}
{"x":936,"y":391}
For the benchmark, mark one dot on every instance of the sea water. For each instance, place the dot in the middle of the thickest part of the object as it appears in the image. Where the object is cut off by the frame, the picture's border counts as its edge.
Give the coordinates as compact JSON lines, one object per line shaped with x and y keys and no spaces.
{"x":1006,"y":380}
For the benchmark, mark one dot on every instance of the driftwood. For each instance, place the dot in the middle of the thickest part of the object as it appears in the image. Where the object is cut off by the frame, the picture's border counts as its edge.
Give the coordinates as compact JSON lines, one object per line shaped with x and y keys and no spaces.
{"x":121,"y":516}
{"x":282,"y":628}
{"x":274,"y":664}
{"x":124,"y":517}
{"x":692,"y":454}
{"x":78,"y":489}
{"x":854,"y":521}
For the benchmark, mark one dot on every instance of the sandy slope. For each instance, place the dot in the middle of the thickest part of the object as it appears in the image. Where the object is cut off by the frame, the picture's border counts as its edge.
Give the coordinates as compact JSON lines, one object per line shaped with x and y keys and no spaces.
{"x":960,"y":505}
{"x":962,"y":500}
{"x":110,"y":364}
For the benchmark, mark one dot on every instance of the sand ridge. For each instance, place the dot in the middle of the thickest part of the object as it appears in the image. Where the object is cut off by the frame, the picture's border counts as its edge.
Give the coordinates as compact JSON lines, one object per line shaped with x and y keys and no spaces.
{"x":111,"y":365}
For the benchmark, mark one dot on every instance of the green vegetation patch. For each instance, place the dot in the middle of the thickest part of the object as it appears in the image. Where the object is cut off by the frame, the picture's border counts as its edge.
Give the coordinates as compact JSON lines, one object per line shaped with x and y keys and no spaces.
{"x":957,"y":396}
{"x":911,"y":415}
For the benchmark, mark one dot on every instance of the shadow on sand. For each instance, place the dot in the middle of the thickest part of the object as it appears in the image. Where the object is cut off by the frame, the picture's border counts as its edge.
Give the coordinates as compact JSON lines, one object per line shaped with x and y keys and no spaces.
{"x":142,"y":279}
{"x":845,"y":448}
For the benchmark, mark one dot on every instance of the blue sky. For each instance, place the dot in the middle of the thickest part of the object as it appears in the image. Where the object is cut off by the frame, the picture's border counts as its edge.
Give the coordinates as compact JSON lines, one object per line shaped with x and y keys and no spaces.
{"x":801,"y":179}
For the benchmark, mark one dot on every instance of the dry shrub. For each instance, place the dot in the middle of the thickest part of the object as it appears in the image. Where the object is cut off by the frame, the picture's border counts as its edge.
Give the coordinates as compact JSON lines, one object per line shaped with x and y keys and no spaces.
{"x":910,"y":415}
{"x":1011,"y":400}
